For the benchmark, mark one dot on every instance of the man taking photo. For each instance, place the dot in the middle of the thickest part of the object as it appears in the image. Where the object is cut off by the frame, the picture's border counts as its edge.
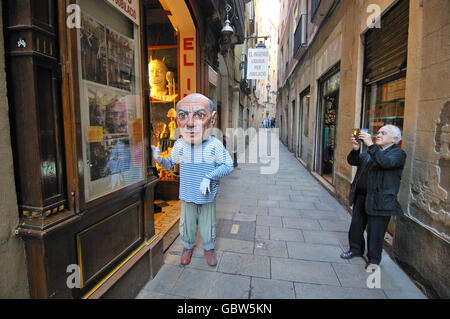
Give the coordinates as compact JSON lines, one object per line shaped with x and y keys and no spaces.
{"x":373,"y":192}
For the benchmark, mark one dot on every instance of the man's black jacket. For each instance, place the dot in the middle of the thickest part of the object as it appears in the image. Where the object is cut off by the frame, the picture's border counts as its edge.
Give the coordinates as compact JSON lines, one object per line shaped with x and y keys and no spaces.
{"x":384,"y":171}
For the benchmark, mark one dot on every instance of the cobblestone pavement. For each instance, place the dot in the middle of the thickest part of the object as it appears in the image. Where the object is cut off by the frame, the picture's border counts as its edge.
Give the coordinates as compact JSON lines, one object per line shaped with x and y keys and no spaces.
{"x":279,"y":236}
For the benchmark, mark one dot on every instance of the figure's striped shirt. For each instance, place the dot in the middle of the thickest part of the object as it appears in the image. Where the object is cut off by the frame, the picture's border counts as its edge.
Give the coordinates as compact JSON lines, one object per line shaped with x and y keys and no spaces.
{"x":210,"y":160}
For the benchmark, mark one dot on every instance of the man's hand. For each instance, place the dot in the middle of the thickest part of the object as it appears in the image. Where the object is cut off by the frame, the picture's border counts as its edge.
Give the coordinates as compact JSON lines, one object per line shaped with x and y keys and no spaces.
{"x":355,"y":144}
{"x":204,"y":186}
{"x":155,"y":153}
{"x":366,"y":137}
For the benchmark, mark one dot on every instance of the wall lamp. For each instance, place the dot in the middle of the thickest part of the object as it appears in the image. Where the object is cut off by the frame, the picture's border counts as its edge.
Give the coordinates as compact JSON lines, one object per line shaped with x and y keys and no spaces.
{"x":227,"y":29}
{"x":260,"y":44}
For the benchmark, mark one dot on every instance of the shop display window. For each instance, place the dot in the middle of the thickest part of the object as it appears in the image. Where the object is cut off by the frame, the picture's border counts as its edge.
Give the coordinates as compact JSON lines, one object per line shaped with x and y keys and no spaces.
{"x":330,"y":101}
{"x":385,"y":103}
{"x":110,"y":99}
{"x":164,"y":92}
{"x":305,"y":99}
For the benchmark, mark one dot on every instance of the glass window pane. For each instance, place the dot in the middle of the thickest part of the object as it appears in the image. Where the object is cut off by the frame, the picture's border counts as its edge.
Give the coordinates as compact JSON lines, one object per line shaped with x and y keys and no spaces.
{"x":111,"y":111}
{"x":164,"y":77}
{"x":305,"y":104}
{"x":385,"y":104}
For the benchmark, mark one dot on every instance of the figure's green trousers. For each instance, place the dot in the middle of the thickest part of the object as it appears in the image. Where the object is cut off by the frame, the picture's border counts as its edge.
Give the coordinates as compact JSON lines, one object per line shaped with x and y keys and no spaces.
{"x":203,"y":216}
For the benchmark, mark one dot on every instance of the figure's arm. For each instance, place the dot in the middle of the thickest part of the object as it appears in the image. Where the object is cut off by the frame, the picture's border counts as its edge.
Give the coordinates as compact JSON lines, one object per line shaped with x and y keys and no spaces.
{"x":354,"y":158}
{"x":167,"y":163}
{"x":391,"y":159}
{"x":226,"y":164}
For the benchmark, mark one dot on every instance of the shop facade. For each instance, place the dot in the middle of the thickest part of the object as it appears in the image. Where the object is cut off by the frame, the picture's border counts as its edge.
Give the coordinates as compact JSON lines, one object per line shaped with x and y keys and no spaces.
{"x":91,"y":85}
{"x":328,"y":107}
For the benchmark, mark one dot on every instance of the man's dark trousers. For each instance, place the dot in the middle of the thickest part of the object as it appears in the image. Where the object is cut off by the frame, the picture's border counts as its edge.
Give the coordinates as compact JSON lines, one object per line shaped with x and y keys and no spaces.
{"x":376,"y":228}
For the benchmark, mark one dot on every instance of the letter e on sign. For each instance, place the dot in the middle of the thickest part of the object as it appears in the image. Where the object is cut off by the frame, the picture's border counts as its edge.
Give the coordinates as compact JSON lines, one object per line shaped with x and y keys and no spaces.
{"x":188,"y":43}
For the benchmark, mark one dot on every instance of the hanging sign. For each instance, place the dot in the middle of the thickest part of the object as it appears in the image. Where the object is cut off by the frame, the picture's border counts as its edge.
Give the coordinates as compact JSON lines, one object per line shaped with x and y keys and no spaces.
{"x":130,"y":8}
{"x":258,"y":64}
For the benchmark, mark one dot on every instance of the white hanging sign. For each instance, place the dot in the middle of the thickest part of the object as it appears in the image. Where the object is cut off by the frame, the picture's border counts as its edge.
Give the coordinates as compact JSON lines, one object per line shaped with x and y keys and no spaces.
{"x":258,"y":64}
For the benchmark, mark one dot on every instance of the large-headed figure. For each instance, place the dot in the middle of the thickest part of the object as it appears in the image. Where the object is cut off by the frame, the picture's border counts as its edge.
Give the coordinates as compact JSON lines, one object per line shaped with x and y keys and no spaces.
{"x":203,"y":161}
{"x":195,"y":116}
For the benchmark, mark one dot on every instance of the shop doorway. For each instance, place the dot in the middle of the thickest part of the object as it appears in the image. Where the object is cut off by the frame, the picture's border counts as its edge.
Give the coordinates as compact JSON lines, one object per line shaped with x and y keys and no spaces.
{"x":299,"y":130}
{"x":304,"y":126}
{"x":385,"y":67}
{"x":327,"y":125}
{"x":169,"y":37}
{"x":292,"y":124}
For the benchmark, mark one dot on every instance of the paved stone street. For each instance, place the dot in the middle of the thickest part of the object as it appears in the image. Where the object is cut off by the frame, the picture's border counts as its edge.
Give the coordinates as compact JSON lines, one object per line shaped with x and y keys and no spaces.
{"x":278,"y":237}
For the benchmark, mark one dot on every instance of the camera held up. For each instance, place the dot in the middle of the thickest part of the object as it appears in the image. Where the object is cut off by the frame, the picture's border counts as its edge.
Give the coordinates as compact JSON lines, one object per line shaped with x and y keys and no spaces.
{"x":356,"y":132}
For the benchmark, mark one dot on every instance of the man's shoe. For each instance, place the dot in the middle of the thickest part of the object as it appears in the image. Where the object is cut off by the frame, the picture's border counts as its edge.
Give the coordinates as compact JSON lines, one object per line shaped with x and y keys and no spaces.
{"x":186,"y":256}
{"x":371,"y":268}
{"x":211,"y":257}
{"x":349,"y":255}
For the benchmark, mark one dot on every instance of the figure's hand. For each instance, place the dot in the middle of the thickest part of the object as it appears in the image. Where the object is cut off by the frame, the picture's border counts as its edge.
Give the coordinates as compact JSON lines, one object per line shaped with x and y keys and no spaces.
{"x":366,"y":137}
{"x":355,"y":143}
{"x":155,"y":153}
{"x":204,"y":186}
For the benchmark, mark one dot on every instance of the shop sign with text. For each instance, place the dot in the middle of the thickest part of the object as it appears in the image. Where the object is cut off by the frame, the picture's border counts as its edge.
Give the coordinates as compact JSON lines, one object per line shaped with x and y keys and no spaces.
{"x":258,"y":64}
{"x":130,"y":8}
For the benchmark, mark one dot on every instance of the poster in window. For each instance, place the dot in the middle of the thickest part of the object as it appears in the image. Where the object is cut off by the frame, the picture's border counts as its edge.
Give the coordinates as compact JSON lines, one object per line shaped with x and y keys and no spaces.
{"x":98,"y":150}
{"x":93,"y":50}
{"x":114,"y":138}
{"x":110,"y":100}
{"x":120,"y":60}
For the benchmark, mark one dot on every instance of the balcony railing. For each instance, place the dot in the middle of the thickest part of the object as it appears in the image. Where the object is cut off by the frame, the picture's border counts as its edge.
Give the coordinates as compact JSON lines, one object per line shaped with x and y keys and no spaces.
{"x":320,"y":9}
{"x":300,"y":37}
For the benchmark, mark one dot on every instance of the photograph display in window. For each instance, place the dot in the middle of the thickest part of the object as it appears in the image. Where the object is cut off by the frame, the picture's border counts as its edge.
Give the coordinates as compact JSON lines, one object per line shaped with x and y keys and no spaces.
{"x":120,"y":60}
{"x":107,"y":57}
{"x":93,"y":50}
{"x":110,"y":108}
{"x":114,"y":143}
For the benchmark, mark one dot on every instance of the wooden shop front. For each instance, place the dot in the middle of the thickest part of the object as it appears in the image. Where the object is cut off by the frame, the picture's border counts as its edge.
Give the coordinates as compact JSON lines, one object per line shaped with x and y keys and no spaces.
{"x":83,"y":117}
{"x":79,"y":109}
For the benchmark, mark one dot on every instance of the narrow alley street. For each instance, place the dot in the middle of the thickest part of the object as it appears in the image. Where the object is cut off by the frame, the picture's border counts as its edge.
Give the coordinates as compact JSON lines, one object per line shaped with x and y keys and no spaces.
{"x":278,"y":237}
{"x":105,"y":106}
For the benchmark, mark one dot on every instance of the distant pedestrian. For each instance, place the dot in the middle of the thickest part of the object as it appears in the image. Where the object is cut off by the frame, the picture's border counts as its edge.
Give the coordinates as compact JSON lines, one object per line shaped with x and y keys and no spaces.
{"x":373,"y":192}
{"x":272,"y":123}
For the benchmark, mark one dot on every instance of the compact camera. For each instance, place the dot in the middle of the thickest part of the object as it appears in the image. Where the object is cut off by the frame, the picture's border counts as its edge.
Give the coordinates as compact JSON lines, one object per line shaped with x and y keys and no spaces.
{"x":356,"y":132}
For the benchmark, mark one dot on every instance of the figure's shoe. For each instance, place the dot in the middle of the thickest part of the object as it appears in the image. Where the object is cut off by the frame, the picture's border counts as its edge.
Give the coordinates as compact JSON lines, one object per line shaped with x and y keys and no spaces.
{"x":211,"y":257}
{"x":186,"y":256}
{"x":349,"y":255}
{"x":371,"y":267}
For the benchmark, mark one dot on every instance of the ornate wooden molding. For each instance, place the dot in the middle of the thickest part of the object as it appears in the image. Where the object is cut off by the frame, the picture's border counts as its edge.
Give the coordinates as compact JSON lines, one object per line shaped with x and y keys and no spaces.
{"x":34,"y":96}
